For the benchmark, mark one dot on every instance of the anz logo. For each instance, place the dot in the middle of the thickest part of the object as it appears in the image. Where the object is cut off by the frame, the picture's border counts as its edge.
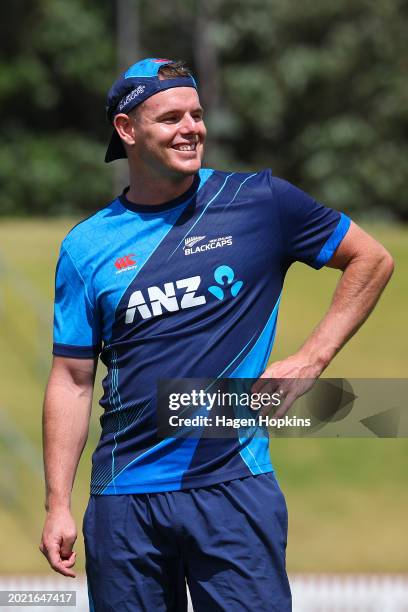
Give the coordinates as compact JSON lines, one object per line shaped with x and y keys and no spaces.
{"x":227,"y":273}
{"x":160,"y":300}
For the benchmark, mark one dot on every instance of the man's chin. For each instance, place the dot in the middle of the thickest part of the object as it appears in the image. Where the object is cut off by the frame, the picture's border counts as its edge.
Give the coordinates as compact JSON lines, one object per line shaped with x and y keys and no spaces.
{"x":187,"y":168}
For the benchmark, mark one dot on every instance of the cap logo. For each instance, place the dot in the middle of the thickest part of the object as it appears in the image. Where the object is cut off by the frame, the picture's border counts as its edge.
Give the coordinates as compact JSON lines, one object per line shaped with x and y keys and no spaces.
{"x":131,"y":96}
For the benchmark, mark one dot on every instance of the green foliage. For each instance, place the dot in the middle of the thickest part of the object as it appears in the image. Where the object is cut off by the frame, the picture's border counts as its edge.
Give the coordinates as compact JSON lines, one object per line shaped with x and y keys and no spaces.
{"x":52,"y":174}
{"x":315,"y":90}
{"x":320,"y":92}
{"x":57,"y":66}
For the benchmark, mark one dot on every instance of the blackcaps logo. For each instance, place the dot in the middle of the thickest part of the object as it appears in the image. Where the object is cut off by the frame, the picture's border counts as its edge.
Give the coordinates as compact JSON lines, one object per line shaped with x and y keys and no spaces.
{"x":191,"y":241}
{"x":160,"y":300}
{"x":191,"y":245}
{"x":132,"y":95}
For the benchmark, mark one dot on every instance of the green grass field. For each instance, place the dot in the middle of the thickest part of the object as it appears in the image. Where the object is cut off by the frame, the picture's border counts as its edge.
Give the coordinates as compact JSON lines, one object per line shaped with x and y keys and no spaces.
{"x":347,"y":499}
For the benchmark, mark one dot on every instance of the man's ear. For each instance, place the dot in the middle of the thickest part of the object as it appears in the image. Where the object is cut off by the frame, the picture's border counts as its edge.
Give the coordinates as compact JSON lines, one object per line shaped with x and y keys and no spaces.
{"x":125,"y":128}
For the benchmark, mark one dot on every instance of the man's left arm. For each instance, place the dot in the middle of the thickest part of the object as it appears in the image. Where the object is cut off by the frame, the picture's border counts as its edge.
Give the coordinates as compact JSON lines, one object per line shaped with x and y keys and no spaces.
{"x":367,"y":267}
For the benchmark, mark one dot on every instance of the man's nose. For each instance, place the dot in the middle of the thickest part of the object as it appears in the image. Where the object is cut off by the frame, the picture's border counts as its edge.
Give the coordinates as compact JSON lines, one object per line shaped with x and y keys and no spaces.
{"x":188,"y":125}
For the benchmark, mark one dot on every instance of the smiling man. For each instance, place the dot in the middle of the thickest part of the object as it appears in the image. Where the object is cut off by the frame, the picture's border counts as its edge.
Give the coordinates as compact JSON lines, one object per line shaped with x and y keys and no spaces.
{"x":178,"y":277}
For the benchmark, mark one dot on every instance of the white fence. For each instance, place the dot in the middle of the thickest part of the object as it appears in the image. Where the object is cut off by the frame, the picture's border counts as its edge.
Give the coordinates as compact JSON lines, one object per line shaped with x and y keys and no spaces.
{"x":349,"y":593}
{"x":311,"y":593}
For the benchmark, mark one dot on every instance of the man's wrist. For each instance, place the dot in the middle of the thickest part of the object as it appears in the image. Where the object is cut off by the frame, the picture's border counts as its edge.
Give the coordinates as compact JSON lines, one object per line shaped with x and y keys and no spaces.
{"x":57,"y":503}
{"x":316,"y":361}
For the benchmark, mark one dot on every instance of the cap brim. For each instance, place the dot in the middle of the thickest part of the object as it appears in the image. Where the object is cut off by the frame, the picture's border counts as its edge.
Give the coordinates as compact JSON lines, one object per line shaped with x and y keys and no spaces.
{"x":115,"y":149}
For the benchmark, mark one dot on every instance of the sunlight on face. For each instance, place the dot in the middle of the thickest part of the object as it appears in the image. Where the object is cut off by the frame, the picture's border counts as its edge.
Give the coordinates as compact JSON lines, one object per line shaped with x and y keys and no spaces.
{"x":170,"y":132}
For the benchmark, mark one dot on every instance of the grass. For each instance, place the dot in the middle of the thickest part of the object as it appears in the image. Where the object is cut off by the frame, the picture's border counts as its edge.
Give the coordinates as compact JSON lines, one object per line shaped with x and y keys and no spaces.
{"x":347,"y":499}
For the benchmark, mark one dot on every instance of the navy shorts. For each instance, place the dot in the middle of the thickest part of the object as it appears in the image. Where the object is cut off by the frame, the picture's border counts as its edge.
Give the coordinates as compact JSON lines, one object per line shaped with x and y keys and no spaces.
{"x":226,"y":541}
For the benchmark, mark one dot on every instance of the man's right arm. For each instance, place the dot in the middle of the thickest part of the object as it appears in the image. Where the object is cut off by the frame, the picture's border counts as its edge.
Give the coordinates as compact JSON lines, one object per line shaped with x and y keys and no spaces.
{"x":67,"y":410}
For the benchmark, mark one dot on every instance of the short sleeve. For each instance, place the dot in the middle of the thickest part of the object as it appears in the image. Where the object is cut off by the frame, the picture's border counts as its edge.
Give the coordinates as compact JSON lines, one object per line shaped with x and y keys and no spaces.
{"x":76,"y":325}
{"x":311,"y":232}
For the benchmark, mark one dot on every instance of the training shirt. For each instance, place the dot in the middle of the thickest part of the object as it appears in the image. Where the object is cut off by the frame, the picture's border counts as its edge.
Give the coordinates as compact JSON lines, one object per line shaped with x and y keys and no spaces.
{"x":189,"y":288}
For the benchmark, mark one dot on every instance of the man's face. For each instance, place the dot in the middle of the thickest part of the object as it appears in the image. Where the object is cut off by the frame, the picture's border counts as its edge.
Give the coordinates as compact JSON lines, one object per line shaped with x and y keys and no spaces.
{"x":170,"y":132}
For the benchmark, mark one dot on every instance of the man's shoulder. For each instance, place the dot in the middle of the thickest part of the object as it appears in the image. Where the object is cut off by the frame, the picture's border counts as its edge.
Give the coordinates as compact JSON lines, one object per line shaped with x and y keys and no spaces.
{"x":253,"y":181}
{"x":89,"y":230}
{"x":238,"y":175}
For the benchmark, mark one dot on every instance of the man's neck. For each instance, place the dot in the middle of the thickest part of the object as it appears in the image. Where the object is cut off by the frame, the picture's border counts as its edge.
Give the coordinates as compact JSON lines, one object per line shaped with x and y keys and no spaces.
{"x":150,"y":190}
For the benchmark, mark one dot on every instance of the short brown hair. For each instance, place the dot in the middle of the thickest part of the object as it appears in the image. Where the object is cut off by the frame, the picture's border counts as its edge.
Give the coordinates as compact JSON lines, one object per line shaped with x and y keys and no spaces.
{"x":174,"y":70}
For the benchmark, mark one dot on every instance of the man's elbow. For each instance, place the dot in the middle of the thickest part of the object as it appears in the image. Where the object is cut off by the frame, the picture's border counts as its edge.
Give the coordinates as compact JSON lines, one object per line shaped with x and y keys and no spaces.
{"x":377,"y":262}
{"x":383,"y":263}
{"x":387,"y":262}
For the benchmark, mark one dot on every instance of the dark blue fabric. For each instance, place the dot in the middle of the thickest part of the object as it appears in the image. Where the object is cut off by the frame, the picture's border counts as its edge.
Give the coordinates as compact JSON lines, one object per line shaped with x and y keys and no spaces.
{"x":258,"y":225}
{"x":228,"y":541}
{"x":84,"y":352}
{"x":128,"y":93}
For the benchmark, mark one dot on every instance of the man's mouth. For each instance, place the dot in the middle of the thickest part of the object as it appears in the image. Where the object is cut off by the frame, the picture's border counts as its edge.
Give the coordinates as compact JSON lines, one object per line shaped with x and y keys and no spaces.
{"x":185,"y":147}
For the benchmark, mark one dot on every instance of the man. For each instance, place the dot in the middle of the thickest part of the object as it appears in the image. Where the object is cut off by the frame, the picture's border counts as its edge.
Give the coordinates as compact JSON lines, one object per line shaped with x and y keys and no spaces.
{"x":181,"y":277}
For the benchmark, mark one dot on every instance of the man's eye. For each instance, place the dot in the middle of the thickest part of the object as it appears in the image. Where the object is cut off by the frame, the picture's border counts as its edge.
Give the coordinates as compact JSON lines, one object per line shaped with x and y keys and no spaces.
{"x":170,"y":119}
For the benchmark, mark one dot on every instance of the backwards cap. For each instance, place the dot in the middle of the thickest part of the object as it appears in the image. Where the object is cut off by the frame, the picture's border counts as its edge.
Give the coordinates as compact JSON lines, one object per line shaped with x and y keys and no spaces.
{"x":139,"y":82}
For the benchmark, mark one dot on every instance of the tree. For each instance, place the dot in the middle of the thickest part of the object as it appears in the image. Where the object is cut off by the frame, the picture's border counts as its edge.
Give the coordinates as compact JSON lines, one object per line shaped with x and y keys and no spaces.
{"x":316,"y":91}
{"x":53,"y":82}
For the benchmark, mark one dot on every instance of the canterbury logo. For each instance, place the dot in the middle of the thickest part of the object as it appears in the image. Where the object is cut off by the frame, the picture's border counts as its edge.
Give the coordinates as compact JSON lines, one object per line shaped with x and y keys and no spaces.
{"x":125,"y":262}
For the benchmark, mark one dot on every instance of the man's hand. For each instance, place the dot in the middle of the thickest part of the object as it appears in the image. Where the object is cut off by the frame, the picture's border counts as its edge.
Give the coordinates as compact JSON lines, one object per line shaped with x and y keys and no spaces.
{"x":57,"y":540}
{"x":291,"y":378}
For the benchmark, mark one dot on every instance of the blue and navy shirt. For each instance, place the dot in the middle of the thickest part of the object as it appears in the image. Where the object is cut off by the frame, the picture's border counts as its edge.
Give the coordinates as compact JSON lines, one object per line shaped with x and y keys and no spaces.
{"x":186,"y":289}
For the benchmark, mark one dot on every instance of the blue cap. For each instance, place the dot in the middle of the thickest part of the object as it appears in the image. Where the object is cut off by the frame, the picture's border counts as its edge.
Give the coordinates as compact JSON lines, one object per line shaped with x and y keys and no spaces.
{"x":139,"y":82}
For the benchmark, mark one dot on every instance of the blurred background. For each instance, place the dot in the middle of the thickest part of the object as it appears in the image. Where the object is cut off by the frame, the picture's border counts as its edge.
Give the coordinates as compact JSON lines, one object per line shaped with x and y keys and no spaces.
{"x":315,"y":90}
